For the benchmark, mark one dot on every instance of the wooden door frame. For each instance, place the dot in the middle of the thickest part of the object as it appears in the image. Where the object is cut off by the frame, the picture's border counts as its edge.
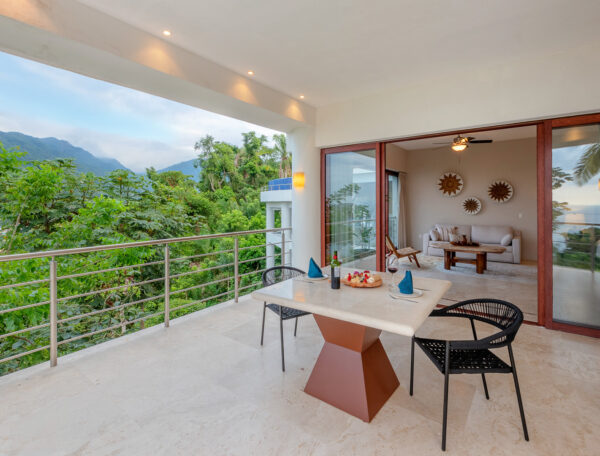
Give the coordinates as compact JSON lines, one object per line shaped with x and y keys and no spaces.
{"x":337,"y":150}
{"x":545,"y":286}
{"x":544,"y":201}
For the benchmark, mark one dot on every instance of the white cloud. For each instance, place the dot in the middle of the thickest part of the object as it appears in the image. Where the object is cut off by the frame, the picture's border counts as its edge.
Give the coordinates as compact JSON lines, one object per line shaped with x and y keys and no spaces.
{"x":160,"y":132}
{"x":186,"y":126}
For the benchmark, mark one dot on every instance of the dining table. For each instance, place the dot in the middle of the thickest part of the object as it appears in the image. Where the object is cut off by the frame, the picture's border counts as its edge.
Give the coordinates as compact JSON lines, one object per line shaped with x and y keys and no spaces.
{"x":353,"y":371}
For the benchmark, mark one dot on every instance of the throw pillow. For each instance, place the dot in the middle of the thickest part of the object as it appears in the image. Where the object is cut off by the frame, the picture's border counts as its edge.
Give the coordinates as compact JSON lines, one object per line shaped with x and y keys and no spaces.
{"x":445,"y":231}
{"x":434,"y":235}
{"x":506,"y":240}
{"x":455,"y":237}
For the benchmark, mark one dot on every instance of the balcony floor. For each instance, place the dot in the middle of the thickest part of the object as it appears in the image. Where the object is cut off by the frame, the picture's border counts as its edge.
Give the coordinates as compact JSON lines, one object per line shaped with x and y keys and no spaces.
{"x":206,"y":387}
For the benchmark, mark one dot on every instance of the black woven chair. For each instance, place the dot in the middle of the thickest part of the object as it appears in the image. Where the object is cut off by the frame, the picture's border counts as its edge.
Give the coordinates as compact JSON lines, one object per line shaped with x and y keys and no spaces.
{"x":270,"y":277}
{"x":474,"y":356}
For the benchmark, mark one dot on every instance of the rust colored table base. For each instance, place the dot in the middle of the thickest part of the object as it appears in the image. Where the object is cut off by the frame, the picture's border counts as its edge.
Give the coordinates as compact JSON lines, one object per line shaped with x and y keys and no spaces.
{"x":353,"y":372}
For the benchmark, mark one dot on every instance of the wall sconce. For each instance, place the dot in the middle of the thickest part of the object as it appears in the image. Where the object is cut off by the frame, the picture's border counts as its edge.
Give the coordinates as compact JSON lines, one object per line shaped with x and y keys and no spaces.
{"x":298,"y":180}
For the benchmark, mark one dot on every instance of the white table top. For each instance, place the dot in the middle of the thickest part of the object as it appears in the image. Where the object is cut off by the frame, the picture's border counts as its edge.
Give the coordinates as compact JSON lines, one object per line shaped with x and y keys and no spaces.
{"x":372,"y":307}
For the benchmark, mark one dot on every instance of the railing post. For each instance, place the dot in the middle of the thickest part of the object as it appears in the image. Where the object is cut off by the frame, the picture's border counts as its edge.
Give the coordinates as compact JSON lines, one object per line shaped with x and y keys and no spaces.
{"x":53,"y":314}
{"x":290,"y":256}
{"x":593,"y":253}
{"x":236,"y":266}
{"x":167,"y":285}
{"x":282,"y":247}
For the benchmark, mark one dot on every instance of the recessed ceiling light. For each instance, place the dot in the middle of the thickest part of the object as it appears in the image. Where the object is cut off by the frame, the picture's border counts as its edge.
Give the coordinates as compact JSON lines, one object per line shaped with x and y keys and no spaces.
{"x":250,"y":73}
{"x":302,"y":97}
{"x":166,"y":33}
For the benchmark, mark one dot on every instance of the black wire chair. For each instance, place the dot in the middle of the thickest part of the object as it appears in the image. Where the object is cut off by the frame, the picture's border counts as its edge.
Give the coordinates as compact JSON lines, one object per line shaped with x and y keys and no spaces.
{"x":272,"y":276}
{"x":474,"y":356}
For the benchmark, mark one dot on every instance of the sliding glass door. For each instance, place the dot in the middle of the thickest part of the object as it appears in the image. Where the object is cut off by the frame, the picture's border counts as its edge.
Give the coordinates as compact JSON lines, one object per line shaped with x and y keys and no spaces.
{"x":576,"y":225}
{"x":392,"y":193}
{"x":350,"y":204}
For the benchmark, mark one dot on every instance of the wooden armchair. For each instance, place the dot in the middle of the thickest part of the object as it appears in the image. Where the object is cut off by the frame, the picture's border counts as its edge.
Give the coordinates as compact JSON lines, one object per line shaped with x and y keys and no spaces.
{"x":401,"y":253}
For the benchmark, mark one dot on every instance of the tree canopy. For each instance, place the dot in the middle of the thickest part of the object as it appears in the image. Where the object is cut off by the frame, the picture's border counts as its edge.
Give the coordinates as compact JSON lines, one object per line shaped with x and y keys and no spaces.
{"x":47,"y":205}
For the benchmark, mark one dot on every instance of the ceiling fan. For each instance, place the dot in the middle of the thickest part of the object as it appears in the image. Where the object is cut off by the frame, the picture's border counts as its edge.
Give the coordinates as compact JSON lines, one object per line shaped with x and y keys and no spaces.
{"x":460,"y":143}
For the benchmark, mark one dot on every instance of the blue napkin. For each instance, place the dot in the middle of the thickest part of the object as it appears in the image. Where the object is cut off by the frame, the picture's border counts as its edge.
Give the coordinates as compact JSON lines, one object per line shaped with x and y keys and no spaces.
{"x":406,"y":285}
{"x":314,"y":271}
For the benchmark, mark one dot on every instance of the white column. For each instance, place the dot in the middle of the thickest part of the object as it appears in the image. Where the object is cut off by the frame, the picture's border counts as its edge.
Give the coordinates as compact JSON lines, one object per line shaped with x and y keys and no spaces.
{"x":286,"y":215}
{"x":269,"y":237}
{"x":286,"y":220}
{"x":306,"y":202}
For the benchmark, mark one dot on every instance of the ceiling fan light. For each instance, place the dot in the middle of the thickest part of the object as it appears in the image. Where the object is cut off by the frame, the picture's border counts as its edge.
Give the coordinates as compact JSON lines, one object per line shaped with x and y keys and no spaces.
{"x":459,"y":147}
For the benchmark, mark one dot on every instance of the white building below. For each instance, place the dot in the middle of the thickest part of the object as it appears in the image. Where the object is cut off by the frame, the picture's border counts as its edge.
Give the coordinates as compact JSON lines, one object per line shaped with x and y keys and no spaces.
{"x":278,"y":197}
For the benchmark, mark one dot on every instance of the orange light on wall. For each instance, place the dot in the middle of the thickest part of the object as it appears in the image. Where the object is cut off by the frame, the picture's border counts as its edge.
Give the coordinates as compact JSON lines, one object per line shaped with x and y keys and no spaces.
{"x":298,"y":180}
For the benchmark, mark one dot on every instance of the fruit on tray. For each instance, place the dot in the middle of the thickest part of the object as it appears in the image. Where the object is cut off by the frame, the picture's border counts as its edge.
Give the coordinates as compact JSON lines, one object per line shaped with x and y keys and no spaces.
{"x":362,"y":279}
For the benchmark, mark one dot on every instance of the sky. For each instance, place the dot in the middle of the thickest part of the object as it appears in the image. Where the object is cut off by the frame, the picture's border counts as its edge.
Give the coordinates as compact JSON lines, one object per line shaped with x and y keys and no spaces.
{"x":138,"y":129}
{"x":588,"y":194}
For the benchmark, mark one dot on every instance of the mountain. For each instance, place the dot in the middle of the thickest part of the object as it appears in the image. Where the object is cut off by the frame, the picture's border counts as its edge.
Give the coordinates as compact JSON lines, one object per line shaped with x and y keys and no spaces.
{"x":52,"y":148}
{"x":186,"y":167}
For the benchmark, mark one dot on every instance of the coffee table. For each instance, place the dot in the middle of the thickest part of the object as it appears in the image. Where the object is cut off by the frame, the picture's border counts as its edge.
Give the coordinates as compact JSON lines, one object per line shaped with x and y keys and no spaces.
{"x":480,"y":253}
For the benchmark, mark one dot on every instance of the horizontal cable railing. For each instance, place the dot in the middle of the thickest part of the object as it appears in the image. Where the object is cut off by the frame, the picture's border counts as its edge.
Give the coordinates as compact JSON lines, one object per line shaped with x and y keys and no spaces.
{"x":60,"y":301}
{"x":585,"y":251}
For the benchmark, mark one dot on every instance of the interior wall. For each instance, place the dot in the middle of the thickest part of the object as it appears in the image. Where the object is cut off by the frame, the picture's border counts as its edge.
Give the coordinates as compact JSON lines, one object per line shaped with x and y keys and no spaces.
{"x":479,"y":165}
{"x":395,"y":158}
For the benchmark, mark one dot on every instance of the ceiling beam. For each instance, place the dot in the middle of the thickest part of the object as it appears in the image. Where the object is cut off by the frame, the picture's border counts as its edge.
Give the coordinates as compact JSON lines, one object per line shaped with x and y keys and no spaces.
{"x":72,"y":36}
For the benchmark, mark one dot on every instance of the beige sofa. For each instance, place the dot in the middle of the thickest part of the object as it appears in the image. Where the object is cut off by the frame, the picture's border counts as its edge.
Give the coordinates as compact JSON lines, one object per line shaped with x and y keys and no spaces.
{"x":486,"y":235}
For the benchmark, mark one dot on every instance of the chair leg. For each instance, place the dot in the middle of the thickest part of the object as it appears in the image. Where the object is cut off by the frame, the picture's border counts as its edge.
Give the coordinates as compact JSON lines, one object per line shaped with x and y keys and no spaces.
{"x":446,"y":379}
{"x":487,"y":395}
{"x":518,"y":390}
{"x":262,"y":332}
{"x":416,"y":261}
{"x":412,"y":363}
{"x":281,"y":334}
{"x":485,"y":388}
{"x":295,"y":326}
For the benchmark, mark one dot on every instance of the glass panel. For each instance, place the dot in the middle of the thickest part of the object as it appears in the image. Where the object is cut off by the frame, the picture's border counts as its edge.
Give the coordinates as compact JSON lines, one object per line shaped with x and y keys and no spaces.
{"x":350,"y":201}
{"x":393,"y":208}
{"x":576,"y":224}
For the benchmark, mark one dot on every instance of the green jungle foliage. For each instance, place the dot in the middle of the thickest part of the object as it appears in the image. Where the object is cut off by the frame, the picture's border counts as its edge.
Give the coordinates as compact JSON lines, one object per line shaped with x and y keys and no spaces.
{"x":48,"y":205}
{"x":578,"y":249}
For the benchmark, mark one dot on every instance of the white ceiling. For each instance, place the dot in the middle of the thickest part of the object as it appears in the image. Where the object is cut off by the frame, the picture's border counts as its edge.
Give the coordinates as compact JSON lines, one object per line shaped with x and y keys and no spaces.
{"x":335,"y":50}
{"x":505,"y":134}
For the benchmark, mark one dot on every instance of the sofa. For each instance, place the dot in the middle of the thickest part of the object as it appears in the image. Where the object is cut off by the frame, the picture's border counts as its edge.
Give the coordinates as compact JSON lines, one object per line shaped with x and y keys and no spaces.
{"x":483,"y":234}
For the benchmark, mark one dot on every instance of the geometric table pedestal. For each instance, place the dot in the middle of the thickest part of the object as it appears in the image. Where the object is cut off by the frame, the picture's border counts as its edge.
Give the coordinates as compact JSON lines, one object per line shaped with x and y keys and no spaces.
{"x":353,"y":372}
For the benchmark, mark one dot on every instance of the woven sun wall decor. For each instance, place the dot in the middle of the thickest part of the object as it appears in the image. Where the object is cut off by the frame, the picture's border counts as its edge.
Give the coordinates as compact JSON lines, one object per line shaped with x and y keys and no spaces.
{"x":471,"y":205}
{"x":500,"y":191}
{"x":450,"y":184}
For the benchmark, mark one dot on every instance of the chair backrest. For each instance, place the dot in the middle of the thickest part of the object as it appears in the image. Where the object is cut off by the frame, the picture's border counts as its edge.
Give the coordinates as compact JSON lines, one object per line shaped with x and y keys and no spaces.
{"x":279,"y":274}
{"x":501,"y":314}
{"x":390,"y":245}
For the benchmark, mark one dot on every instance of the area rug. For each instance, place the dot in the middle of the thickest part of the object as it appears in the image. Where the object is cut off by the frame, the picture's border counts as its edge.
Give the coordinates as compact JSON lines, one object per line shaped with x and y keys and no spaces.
{"x":523,"y":273}
{"x":516,"y":283}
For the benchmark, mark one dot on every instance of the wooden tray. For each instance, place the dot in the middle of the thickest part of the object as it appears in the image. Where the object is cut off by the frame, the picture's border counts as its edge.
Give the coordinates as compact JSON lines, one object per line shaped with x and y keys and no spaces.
{"x":375,"y":284}
{"x":460,"y":244}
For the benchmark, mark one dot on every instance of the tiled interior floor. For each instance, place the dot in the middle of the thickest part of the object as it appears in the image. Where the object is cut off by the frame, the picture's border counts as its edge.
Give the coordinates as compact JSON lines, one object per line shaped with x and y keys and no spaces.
{"x":516,"y":283}
{"x":205,"y":386}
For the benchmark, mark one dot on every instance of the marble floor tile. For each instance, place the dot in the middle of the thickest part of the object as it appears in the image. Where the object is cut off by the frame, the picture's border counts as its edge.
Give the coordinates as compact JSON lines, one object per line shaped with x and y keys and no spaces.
{"x":205,"y":386}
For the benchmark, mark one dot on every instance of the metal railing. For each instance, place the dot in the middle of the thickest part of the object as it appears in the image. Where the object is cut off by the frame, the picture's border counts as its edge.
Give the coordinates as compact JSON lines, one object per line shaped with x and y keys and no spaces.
{"x":353,"y":239}
{"x":593,"y":245}
{"x":271,"y":187}
{"x":245,"y":269}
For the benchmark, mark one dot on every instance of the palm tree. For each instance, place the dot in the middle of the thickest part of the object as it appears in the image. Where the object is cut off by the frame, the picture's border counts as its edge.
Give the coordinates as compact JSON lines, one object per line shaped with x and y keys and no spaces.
{"x":284,"y":156}
{"x":588,"y":165}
